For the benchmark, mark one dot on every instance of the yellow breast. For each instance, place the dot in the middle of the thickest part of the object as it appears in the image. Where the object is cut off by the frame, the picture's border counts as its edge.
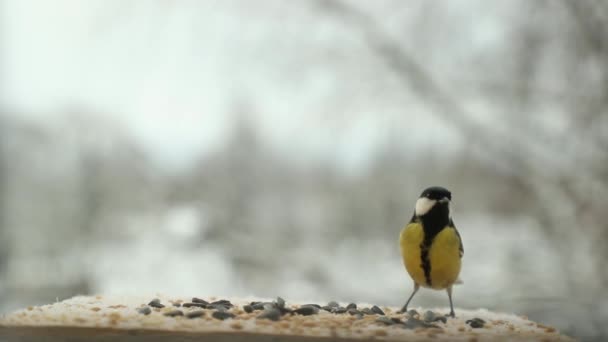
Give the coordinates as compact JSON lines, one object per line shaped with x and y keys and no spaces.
{"x":444,"y":256}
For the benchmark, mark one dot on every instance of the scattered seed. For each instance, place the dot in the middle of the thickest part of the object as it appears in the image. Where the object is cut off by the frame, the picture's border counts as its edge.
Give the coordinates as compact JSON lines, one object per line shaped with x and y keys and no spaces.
{"x":223,"y":302}
{"x":174,"y":313}
{"x":413,"y":323}
{"x":354,"y":311}
{"x":195,"y":314}
{"x":396,"y":320}
{"x":144,"y":310}
{"x":315,"y":305}
{"x":385,"y":320}
{"x":429,"y":316}
{"x":271,"y":314}
{"x":176,"y":304}
{"x":257,"y":305}
{"x":367,"y":311}
{"x":280,"y":302}
{"x":306,"y":310}
{"x":248,"y":308}
{"x":476,"y":322}
{"x":376,"y":309}
{"x":198,"y":305}
{"x":327,"y":308}
{"x":412,"y":313}
{"x":351,"y":306}
{"x":155,"y":303}
{"x":339,"y":310}
{"x":333,"y":304}
{"x":200,"y":301}
{"x":219,"y":307}
{"x":285,"y":311}
{"x":222,"y":315}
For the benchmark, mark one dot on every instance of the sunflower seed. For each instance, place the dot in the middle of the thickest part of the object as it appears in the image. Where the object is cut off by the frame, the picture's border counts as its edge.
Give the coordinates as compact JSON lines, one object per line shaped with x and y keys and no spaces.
{"x":305,"y":310}
{"x":354,"y":311}
{"x":351,"y":306}
{"x":248,"y":308}
{"x":144,"y":310}
{"x":223,"y":302}
{"x":412,"y":313}
{"x":376,"y":309}
{"x":280,"y":302}
{"x":174,"y":313}
{"x":222,"y":315}
{"x":339,"y":310}
{"x":333,"y":304}
{"x":198,"y":305}
{"x":155,"y":303}
{"x":413,"y":323}
{"x":271,"y":314}
{"x":195,"y":314}
{"x":385,"y":320}
{"x":200,"y":301}
{"x":327,"y":308}
{"x":476,"y":322}
{"x":367,"y":311}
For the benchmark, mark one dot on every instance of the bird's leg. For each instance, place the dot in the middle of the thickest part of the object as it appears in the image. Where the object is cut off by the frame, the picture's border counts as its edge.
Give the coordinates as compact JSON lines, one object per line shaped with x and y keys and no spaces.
{"x":404,"y":309}
{"x":449,"y":289}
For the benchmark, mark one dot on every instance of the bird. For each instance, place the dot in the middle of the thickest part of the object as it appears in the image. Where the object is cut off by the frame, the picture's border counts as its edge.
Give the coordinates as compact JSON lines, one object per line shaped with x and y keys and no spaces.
{"x":431,"y":246}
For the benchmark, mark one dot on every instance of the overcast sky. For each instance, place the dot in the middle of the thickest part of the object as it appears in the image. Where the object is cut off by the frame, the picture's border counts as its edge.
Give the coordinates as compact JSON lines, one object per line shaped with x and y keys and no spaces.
{"x":175,"y":73}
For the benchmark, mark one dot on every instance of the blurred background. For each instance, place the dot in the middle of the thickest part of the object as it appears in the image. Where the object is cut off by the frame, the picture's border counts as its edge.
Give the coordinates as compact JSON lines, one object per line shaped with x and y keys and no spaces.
{"x":270,"y":148}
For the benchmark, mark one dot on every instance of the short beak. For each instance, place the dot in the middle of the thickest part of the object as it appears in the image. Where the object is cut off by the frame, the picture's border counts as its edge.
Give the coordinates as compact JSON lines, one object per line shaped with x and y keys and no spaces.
{"x":444,"y":200}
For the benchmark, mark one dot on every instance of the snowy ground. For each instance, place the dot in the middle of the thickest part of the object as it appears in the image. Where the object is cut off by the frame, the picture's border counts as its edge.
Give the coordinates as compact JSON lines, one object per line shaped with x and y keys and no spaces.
{"x":117,"y":316}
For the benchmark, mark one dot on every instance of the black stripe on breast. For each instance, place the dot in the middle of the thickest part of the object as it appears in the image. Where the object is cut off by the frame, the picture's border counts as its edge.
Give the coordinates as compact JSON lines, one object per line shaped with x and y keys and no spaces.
{"x":432,"y":223}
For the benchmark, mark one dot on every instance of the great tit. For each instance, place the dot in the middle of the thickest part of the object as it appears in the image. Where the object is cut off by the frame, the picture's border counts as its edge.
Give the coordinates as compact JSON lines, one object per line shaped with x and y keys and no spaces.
{"x":431,"y":246}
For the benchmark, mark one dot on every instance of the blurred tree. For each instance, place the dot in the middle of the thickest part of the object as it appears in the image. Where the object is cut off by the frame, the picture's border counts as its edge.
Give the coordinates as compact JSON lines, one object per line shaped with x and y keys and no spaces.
{"x":553,"y":151}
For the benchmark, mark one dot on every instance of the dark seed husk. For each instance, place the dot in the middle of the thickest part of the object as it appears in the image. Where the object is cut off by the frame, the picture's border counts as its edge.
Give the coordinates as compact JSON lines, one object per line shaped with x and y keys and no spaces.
{"x":354,"y":311}
{"x":476,"y":322}
{"x":339,"y":310}
{"x":413,"y":323}
{"x":285,"y":311}
{"x":155,"y":303}
{"x":396,"y":320}
{"x":441,"y":318}
{"x":248,"y":308}
{"x":412,"y":313}
{"x":144,"y":310}
{"x":429,"y":316}
{"x":271,"y":314}
{"x":280,"y":302}
{"x":306,"y":310}
{"x":198,"y":305}
{"x":174,"y":313}
{"x":222,"y":315}
{"x":176,"y":304}
{"x":315,"y":305}
{"x":385,"y":320}
{"x":262,"y":305}
{"x":351,"y":306}
{"x":223,"y":302}
{"x":198,"y":300}
{"x":367,"y":311}
{"x":377,"y":310}
{"x":218,"y":307}
{"x":327,"y":308}
{"x":333,"y":304}
{"x":195,"y":314}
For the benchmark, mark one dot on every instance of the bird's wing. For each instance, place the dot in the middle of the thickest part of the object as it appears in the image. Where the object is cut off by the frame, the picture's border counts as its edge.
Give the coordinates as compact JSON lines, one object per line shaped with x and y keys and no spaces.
{"x":461,"y":247}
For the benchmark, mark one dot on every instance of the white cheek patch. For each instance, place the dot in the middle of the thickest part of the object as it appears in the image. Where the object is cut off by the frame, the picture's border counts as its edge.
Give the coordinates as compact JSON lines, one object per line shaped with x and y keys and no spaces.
{"x":423,"y":205}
